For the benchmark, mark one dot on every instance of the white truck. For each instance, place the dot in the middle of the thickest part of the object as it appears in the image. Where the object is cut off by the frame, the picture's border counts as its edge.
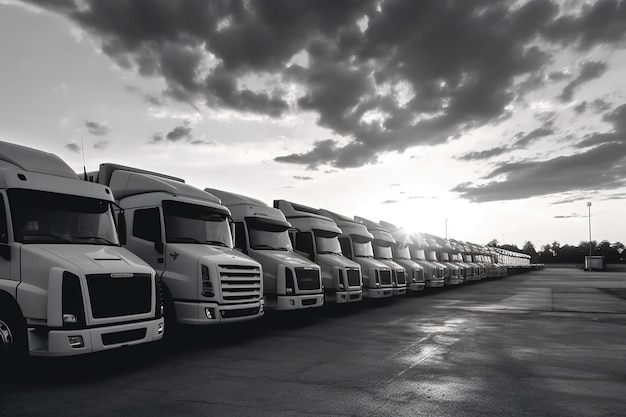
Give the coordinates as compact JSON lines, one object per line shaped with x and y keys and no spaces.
{"x":291,"y":281}
{"x":67,"y":287}
{"x":402,"y":254}
{"x":418,"y":248}
{"x":184,"y":233}
{"x":382,"y":246}
{"x":356,"y":244}
{"x":316,"y":237}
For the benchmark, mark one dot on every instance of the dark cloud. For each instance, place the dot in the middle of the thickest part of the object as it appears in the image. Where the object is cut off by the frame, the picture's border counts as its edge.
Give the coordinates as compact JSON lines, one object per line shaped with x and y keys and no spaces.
{"x":601,"y":168}
{"x":418,"y":73}
{"x":531,"y":137}
{"x":600,"y":105}
{"x":568,"y":216}
{"x":72,"y":147}
{"x":486,"y":154}
{"x":599,"y":22}
{"x":176,"y":135}
{"x":302,"y":178}
{"x":96,"y":129}
{"x":617,"y":196}
{"x":202,"y":142}
{"x":100,"y":145}
{"x":570,"y":200}
{"x":580,"y":107}
{"x":589,"y":70}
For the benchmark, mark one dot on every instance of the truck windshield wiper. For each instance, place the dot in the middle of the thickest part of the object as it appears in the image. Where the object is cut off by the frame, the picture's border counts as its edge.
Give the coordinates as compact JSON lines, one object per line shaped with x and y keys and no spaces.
{"x":87,"y":237}
{"x":49,"y":236}
{"x":263,"y":246}
{"x":216,"y":243}
{"x":325,"y":252}
{"x":364,"y":256}
{"x":183,"y":239}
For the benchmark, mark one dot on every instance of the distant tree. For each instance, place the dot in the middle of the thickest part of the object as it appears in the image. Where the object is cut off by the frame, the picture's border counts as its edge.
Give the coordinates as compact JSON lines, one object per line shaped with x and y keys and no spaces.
{"x":493,"y":243}
{"x":529,"y":249}
{"x":510,"y":247}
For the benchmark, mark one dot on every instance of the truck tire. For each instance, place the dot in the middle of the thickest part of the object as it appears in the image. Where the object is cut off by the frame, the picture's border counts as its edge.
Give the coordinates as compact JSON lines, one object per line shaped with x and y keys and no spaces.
{"x":12,"y":334}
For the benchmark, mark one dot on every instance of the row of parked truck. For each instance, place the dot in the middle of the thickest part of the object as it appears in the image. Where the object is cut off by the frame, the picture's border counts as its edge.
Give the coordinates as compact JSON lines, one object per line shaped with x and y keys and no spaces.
{"x":116,"y":257}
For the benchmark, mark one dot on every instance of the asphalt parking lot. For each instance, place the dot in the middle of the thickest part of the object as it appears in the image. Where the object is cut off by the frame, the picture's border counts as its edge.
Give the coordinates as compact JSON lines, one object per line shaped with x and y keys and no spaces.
{"x":545,"y":343}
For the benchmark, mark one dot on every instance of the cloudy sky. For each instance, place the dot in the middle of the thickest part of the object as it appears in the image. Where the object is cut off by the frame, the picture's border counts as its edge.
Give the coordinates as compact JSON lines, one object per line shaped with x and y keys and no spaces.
{"x":495,"y":119}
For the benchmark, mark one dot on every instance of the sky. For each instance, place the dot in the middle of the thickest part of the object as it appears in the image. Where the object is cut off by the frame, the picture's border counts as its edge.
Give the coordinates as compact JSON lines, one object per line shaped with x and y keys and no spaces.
{"x":471,"y":119}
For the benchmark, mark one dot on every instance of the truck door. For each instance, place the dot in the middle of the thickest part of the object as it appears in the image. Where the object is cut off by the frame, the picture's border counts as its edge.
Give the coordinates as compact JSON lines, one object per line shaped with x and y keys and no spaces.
{"x":146,"y":240}
{"x":5,"y":248}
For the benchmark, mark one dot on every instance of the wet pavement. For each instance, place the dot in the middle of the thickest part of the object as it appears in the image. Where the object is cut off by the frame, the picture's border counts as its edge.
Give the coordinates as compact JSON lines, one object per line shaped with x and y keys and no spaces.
{"x":546,"y":343}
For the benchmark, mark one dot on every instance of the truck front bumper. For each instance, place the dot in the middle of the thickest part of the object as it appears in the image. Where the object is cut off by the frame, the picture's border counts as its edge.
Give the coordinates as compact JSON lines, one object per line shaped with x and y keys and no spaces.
{"x":378,"y":292}
{"x":416,"y":286}
{"x":213,"y":313}
{"x":81,"y":341}
{"x":299,"y":302}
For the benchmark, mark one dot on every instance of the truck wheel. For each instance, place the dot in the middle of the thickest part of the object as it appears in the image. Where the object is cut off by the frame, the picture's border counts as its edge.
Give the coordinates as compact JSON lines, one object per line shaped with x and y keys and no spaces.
{"x":12,"y":334}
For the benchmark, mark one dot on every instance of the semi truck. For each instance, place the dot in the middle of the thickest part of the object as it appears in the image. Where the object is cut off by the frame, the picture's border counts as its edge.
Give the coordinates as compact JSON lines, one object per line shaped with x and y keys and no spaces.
{"x":401,"y":252}
{"x":382,"y":246}
{"x":356,"y":244}
{"x":291,"y":281}
{"x":67,"y":286}
{"x":316,"y":237}
{"x":444,"y":255}
{"x":418,"y":254}
{"x":184,"y":233}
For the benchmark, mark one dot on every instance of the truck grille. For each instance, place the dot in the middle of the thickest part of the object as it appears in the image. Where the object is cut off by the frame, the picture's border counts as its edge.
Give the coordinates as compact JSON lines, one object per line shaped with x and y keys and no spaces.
{"x":114,"y":297}
{"x":240,"y":283}
{"x":385,"y":277}
{"x":354,"y":277}
{"x":400,"y":277}
{"x":419,"y":275}
{"x":308,"y":279}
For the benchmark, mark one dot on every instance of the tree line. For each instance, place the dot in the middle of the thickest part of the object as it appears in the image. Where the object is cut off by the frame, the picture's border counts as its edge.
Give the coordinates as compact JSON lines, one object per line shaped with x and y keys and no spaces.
{"x":554,"y":253}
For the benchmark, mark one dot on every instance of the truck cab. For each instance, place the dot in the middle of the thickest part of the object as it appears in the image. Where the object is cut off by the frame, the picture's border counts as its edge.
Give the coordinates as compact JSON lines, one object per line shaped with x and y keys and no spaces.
{"x":382,"y":245}
{"x":418,"y":254}
{"x":435,"y":252}
{"x":316,"y":237}
{"x":401,"y":251}
{"x":183,"y":232}
{"x":356,"y":244}
{"x":291,"y":281}
{"x":67,"y":287}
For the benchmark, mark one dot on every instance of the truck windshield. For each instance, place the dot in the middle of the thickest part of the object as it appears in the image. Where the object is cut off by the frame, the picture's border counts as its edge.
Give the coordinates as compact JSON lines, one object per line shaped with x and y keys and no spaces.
{"x":268,"y":234}
{"x":382,"y":252}
{"x":327,"y":244}
{"x":445,"y":257}
{"x":418,"y":254}
{"x":431,"y":255}
{"x":194,"y":223}
{"x":363,"y":250}
{"x":402,"y":252}
{"x":45,"y":217}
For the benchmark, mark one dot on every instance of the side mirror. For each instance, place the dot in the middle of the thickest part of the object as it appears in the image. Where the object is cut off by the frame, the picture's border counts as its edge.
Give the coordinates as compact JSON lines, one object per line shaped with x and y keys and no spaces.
{"x":158,"y":245}
{"x":5,"y":251}
{"x":121,"y":227}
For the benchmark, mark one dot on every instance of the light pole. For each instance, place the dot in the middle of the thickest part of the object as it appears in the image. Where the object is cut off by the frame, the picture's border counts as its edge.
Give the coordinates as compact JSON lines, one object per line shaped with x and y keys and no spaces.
{"x":589,"y":208}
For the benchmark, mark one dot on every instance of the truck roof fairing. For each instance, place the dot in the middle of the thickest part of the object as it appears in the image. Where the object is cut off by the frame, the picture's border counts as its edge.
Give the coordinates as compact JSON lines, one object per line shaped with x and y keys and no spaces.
{"x":244,"y":207}
{"x":33,"y":160}
{"x":347,"y":225}
{"x":306,"y":218}
{"x":126,"y":181}
{"x":380,"y":234}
